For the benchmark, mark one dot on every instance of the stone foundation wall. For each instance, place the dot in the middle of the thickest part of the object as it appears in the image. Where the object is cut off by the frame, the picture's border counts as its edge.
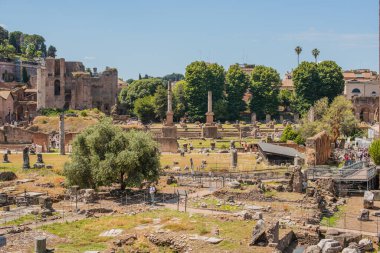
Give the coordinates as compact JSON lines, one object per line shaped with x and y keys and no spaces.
{"x":318,"y":149}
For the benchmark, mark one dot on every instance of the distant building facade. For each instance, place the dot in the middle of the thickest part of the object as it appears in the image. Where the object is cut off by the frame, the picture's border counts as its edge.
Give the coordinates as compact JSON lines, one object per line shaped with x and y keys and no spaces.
{"x":362,"y":88}
{"x":67,"y":85}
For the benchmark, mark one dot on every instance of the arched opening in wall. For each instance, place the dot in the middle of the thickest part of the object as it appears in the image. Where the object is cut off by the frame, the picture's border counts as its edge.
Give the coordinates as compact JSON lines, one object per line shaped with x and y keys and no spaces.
{"x":57,"y":88}
{"x":355,"y":92}
{"x":364,"y":115}
{"x":373,"y":94}
{"x":19,"y":113}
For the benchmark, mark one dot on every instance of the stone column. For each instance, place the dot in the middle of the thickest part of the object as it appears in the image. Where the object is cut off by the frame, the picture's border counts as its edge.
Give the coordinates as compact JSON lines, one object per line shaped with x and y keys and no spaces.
{"x":253,"y":118}
{"x":310,"y":114}
{"x":267,"y":118}
{"x":62,"y":134}
{"x":209,"y":114}
{"x":169,"y":113}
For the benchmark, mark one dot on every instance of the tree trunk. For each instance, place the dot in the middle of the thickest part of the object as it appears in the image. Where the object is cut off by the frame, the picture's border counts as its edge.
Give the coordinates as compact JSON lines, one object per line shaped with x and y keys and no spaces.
{"x":122,"y":183}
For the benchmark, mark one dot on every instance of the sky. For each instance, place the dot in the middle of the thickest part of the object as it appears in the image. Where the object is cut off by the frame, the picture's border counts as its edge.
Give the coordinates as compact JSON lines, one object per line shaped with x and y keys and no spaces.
{"x":159,"y":37}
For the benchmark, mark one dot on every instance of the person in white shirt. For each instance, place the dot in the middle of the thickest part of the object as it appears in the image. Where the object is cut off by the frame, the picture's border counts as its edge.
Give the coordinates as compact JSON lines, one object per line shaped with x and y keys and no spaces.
{"x":152,"y":191}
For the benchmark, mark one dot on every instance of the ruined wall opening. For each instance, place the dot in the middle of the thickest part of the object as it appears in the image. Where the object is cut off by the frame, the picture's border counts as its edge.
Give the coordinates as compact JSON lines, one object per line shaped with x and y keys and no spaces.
{"x":57,"y":88}
{"x":364,"y":115}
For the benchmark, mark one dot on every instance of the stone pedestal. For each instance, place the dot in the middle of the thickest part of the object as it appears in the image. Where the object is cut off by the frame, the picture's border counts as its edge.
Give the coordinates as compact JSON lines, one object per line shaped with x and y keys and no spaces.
{"x":169,"y":131}
{"x":209,"y":118}
{"x":210,"y":131}
{"x":267,"y":118}
{"x":168,"y":144}
{"x":169,"y":119}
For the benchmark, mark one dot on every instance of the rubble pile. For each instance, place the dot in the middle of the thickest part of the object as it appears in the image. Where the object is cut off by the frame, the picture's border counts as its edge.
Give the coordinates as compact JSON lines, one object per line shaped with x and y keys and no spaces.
{"x":171,"y":240}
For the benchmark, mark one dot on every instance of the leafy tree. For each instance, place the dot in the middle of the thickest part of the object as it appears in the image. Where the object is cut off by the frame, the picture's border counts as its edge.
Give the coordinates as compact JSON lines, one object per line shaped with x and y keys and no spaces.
{"x":306,"y":82}
{"x":288,"y":134}
{"x":144,"y":109}
{"x":237,"y":83}
{"x":374,"y":151}
{"x":160,"y":102}
{"x":265,"y":89}
{"x":6,"y":50}
{"x":315,"y":52}
{"x":285,"y":98}
{"x":130,"y":80}
{"x":179,"y":99}
{"x":220,"y":108}
{"x":37,"y":41}
{"x":202,"y":77}
{"x":338,"y":119}
{"x":104,"y":154}
{"x":298,"y":51}
{"x":320,"y":108}
{"x":3,"y":35}
{"x":331,"y":80}
{"x":314,"y":81}
{"x":16,"y":40}
{"x":173,"y":77}
{"x":139,"y":76}
{"x":52,"y":51}
{"x":138,"y":89}
{"x":30,"y":51}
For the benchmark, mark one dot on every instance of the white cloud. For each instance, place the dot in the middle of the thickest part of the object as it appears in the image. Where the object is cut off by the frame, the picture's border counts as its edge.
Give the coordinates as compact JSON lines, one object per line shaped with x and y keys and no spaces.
{"x":89,"y":58}
{"x":3,"y":25}
{"x":341,"y":39}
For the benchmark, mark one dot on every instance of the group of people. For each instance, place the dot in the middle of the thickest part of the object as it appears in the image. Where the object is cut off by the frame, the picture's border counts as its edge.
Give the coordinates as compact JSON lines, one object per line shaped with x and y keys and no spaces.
{"x":353,"y":156}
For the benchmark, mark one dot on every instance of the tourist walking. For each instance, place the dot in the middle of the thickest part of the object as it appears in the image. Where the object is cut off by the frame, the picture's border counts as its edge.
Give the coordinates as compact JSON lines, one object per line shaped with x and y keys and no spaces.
{"x":152,"y":191}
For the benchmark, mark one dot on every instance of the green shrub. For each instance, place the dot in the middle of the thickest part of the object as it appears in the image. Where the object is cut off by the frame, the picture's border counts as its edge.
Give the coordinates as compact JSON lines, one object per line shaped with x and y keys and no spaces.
{"x":83,"y":113}
{"x":374,"y":151}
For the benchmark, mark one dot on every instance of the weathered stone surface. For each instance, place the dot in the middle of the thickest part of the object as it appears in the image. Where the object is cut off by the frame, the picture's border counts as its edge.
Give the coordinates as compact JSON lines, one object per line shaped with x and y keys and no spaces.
{"x":318,"y":149}
{"x":273,"y":233}
{"x":331,"y":247}
{"x":351,"y":250}
{"x":233,"y":184}
{"x":368,"y":200}
{"x":7,"y":176}
{"x":3,"y":241}
{"x":365,"y":244}
{"x":313,"y":249}
{"x":364,"y":215}
{"x":258,"y":233}
{"x":112,"y":232}
{"x":214,"y":240}
{"x":89,"y":195}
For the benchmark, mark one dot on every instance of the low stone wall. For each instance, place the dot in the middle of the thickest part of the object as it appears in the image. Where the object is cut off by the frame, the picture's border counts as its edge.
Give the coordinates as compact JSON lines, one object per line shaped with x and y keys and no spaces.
{"x":318,"y":149}
{"x":15,"y":135}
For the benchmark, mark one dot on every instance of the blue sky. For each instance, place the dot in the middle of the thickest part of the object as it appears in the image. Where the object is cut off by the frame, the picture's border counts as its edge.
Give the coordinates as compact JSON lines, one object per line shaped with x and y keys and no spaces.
{"x":158,"y":37}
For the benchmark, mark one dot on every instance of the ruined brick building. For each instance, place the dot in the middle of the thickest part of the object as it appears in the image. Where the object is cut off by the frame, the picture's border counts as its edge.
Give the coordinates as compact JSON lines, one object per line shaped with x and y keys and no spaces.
{"x":67,"y":85}
{"x":53,"y":83}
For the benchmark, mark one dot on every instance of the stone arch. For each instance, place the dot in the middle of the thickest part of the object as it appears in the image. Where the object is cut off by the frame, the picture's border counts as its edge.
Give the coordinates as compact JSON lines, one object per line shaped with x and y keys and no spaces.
{"x":373,"y":94}
{"x":57,"y":88}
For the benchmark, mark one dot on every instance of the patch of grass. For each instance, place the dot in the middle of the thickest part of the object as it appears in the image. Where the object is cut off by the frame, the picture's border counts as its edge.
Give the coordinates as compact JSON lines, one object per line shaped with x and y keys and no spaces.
{"x":270,"y":194}
{"x":332,"y":220}
{"x":21,"y":220}
{"x":84,"y":234}
{"x":181,"y":226}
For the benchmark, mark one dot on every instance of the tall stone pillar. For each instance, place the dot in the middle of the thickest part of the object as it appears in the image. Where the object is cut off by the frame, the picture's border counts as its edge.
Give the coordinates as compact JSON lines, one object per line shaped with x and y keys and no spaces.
{"x":169,"y":113}
{"x":209,"y":130}
{"x":209,"y":114}
{"x":62,"y":134}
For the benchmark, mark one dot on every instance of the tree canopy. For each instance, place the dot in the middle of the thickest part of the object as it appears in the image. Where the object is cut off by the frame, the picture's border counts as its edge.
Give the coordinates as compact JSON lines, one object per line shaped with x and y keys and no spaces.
{"x":237,"y":83}
{"x":265,"y":86}
{"x":138,"y":89}
{"x":202,"y":77}
{"x":314,"y":81}
{"x":104,"y":154}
